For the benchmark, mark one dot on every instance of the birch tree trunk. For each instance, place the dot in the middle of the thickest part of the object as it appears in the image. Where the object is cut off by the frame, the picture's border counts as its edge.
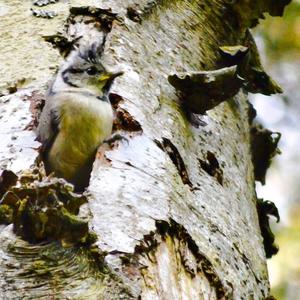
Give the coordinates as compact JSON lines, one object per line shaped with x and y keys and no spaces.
{"x":174,"y":209}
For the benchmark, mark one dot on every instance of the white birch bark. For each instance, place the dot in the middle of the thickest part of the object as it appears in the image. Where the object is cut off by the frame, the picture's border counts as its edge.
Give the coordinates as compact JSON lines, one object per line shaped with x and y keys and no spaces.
{"x":174,"y":209}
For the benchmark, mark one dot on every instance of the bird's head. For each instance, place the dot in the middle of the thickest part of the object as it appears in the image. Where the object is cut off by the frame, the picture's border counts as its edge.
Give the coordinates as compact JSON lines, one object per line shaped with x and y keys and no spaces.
{"x":84,"y":70}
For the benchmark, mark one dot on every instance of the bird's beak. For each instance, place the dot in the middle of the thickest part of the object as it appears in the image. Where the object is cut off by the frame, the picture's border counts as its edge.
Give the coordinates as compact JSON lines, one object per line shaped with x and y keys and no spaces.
{"x":109,"y":76}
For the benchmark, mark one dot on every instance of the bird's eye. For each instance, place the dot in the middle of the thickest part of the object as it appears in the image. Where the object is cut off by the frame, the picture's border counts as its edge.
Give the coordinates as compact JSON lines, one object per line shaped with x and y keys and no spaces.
{"x":91,"y":70}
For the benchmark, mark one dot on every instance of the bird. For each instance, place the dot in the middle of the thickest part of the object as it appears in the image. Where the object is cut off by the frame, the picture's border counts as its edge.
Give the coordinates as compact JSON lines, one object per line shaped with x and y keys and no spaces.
{"x":77,"y":116}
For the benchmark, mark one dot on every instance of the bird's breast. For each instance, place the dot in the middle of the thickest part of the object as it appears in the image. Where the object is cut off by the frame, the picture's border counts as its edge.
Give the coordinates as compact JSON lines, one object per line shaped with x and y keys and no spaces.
{"x":84,"y":124}
{"x":87,"y":120}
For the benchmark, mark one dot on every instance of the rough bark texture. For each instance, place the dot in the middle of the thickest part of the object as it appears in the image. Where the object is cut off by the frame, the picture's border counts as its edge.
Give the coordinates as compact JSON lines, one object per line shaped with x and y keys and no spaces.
{"x":174,"y":209}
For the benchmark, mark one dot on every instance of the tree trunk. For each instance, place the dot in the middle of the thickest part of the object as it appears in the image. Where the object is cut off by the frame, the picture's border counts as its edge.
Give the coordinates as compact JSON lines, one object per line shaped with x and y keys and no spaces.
{"x":174,"y":208}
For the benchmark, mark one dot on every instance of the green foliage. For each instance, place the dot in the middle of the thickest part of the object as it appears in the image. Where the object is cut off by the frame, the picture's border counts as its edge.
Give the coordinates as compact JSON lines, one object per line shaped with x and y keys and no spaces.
{"x":282,"y":35}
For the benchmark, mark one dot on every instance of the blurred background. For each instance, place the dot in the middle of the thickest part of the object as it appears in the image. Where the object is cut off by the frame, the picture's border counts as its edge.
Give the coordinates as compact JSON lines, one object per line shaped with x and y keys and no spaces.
{"x":278,"y":40}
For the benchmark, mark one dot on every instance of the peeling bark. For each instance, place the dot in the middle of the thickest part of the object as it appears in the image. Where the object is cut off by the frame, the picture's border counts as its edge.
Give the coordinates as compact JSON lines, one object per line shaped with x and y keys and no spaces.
{"x":174,"y":206}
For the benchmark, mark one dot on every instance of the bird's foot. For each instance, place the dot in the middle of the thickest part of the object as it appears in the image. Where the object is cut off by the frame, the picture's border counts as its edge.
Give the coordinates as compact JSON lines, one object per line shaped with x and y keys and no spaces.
{"x":114,"y":138}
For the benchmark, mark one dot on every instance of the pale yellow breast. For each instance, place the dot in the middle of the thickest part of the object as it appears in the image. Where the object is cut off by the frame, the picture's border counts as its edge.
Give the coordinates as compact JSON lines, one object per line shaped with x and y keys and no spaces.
{"x":84,"y":124}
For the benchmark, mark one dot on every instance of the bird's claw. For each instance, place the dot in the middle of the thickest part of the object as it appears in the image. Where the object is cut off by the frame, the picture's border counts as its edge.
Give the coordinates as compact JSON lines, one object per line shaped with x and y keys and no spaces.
{"x":116,"y":137}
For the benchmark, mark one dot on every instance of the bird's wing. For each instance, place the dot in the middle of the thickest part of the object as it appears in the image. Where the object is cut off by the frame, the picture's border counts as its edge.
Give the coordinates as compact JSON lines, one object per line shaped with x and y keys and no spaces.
{"x":48,"y":126}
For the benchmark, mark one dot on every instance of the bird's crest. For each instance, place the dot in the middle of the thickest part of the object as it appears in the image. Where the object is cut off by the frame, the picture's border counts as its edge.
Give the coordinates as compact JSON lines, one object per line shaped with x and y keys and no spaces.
{"x":92,"y":52}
